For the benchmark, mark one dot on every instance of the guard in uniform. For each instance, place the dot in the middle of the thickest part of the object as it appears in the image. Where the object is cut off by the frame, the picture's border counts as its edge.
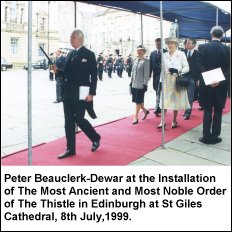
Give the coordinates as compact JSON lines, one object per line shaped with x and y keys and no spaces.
{"x":60,"y":62}
{"x":109,"y":65}
{"x":100,"y":66}
{"x":129,"y":64}
{"x":119,"y":66}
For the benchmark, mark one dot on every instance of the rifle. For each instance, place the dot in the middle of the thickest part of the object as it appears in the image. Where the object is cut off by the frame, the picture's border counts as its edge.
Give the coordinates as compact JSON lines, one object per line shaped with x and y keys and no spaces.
{"x":49,"y":60}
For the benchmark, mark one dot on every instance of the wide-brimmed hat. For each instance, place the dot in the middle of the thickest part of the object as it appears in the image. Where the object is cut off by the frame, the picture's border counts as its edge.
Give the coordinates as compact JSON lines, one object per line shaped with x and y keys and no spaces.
{"x":172,"y":39}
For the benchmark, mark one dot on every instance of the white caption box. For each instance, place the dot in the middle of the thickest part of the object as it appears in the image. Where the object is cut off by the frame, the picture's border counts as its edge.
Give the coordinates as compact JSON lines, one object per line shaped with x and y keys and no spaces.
{"x":213,"y":215}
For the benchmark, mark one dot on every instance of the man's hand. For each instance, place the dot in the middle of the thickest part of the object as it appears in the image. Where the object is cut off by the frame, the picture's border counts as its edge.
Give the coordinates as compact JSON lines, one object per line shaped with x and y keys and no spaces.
{"x":89,"y":98}
{"x":54,"y":68}
{"x":214,"y":84}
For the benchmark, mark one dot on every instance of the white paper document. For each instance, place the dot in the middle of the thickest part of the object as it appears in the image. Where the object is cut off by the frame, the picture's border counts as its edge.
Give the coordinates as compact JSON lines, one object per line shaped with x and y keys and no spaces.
{"x":83,"y":92}
{"x":212,"y":76}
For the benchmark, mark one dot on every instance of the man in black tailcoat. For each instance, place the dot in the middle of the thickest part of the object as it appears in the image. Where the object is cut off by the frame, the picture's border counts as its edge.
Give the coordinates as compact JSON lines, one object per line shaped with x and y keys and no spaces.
{"x":80,"y":70}
{"x":213,"y":97}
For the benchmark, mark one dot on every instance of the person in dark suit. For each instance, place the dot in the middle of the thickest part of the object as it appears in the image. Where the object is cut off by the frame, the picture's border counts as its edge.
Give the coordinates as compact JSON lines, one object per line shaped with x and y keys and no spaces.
{"x":60,"y":62}
{"x":193,"y":59}
{"x":119,"y":66}
{"x":109,"y":65}
{"x":129,"y":64}
{"x":213,"y":97}
{"x":155,"y":69}
{"x":80,"y":70}
{"x":100,"y":66}
{"x":51,"y":73}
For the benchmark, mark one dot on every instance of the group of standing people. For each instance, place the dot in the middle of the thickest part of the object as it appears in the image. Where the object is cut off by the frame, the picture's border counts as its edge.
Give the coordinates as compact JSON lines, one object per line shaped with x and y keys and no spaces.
{"x":175,"y":63}
{"x":80,"y":69}
{"x":110,"y":64}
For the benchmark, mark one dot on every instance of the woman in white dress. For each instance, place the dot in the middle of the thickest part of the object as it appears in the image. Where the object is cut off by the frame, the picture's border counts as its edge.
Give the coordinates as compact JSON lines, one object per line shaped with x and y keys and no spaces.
{"x":174,"y":62}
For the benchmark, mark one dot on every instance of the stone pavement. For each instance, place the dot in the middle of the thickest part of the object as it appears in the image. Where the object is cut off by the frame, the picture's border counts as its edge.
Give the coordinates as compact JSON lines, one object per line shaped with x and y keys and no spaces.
{"x":111,"y":103}
{"x":187,"y":150}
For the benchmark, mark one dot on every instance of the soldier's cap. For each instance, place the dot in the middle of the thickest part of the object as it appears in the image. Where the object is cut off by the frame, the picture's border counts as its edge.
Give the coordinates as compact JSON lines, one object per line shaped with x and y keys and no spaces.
{"x":110,"y":54}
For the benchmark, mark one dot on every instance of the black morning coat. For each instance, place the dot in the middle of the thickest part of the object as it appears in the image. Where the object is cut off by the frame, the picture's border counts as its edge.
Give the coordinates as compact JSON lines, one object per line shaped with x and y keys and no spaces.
{"x":193,"y":61}
{"x":214,"y":55}
{"x":155,"y":63}
{"x":80,"y":70}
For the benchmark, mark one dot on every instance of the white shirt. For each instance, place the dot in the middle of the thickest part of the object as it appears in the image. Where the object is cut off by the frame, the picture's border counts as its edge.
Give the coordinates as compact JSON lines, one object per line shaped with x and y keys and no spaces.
{"x":76,"y":49}
{"x":189,"y":53}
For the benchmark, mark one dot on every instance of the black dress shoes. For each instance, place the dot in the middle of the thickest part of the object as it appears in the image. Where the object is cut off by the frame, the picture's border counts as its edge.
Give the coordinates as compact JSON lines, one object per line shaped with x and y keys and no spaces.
{"x":186,"y":117}
{"x":135,"y":121}
{"x":66,"y":154}
{"x":205,"y":140}
{"x":160,"y":126}
{"x":157,"y":112}
{"x":95,"y":145}
{"x":210,"y":140}
{"x":174,"y":125}
{"x":145,"y":115}
{"x":217,"y":140}
{"x":58,"y":100}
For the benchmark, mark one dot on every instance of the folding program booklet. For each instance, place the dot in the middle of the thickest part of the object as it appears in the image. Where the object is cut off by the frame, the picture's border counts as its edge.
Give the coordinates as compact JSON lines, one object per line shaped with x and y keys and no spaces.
{"x":212,"y":76}
{"x":83,"y":92}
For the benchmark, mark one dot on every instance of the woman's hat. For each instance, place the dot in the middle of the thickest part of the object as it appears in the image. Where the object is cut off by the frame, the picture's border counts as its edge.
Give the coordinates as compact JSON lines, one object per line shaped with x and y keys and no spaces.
{"x":172,"y":39}
{"x":141,"y":47}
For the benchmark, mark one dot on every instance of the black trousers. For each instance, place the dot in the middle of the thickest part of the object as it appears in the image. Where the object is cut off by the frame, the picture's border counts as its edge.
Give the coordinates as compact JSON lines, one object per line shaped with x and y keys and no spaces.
{"x":100,"y":73}
{"x":156,"y":87}
{"x":129,"y":72}
{"x":58,"y":89}
{"x":74,"y":112}
{"x":191,"y":91}
{"x":119,"y":72}
{"x":51,"y":76}
{"x":156,"y":81}
{"x":212,"y":123}
{"x":109,"y":73}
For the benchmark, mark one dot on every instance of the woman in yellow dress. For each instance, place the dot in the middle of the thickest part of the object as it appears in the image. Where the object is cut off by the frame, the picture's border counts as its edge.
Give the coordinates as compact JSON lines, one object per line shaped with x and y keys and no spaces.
{"x":174,"y":62}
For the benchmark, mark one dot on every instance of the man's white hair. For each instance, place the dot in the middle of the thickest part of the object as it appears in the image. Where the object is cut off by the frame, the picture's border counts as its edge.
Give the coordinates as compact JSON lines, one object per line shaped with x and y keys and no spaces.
{"x":79,"y":33}
{"x":217,"y":31}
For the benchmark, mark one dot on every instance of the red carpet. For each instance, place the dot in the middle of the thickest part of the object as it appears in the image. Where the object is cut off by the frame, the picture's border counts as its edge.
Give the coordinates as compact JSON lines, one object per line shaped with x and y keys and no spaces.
{"x":121,"y":142}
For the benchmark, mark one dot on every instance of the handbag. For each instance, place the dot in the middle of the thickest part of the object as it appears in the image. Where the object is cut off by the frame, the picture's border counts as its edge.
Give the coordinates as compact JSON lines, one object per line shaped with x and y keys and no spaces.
{"x":183,"y":80}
